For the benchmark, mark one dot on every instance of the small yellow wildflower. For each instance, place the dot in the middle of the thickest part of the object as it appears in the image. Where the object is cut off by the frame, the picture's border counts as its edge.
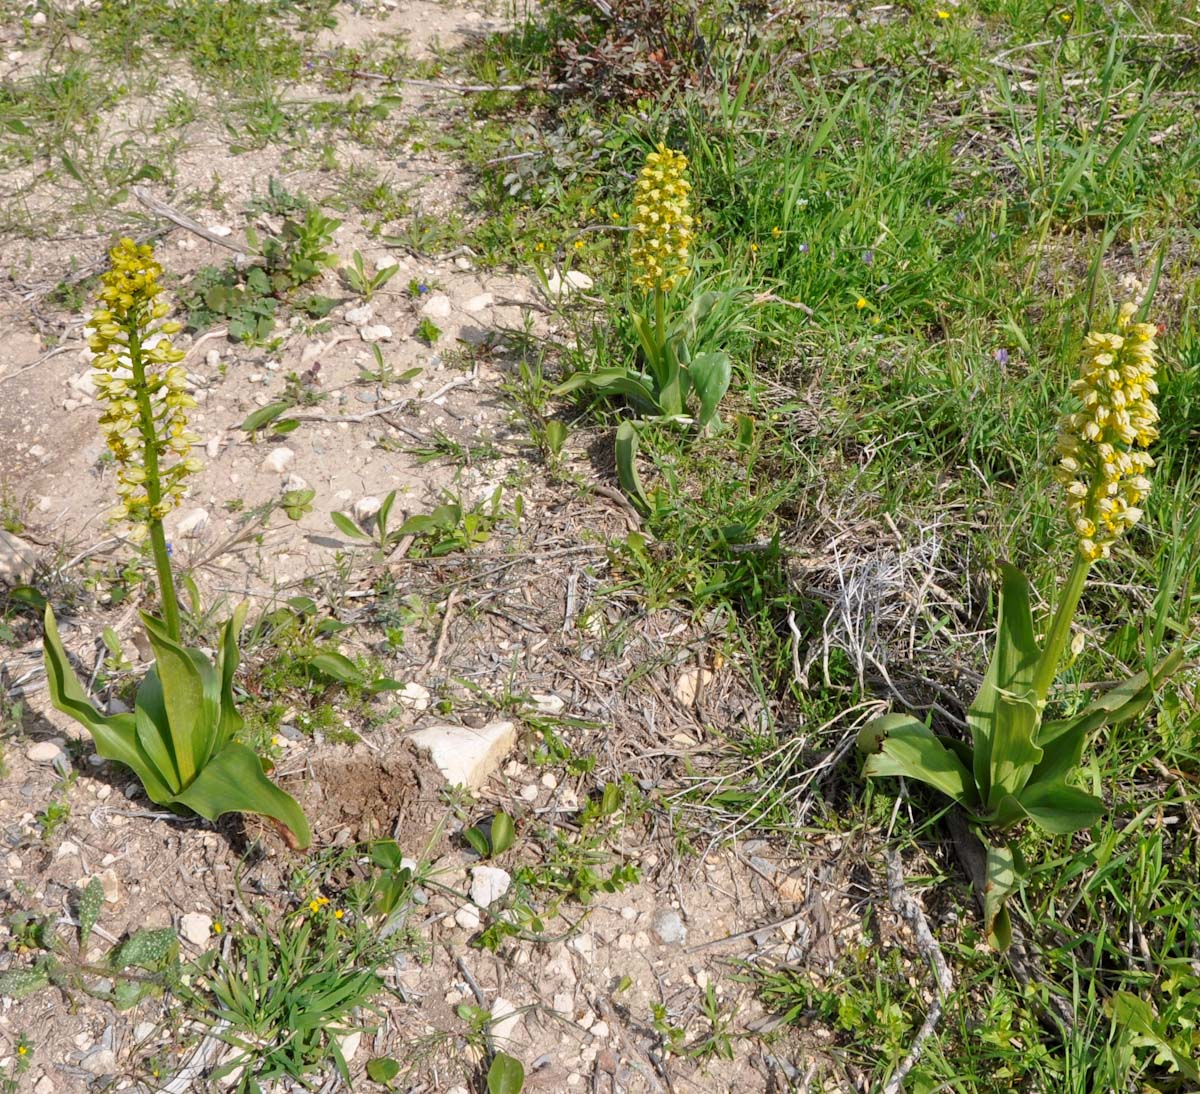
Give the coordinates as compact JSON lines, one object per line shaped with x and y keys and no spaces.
{"x":139,"y":378}
{"x":339,"y":914}
{"x":539,"y":246}
{"x":662,"y":222}
{"x":22,"y":1050}
{"x":942,"y":14}
{"x":1065,"y":17}
{"x":1102,"y":446}
{"x":860,"y":303}
{"x":579,"y":244}
{"x":754,"y":248}
{"x":776,"y":231}
{"x":217,"y":926}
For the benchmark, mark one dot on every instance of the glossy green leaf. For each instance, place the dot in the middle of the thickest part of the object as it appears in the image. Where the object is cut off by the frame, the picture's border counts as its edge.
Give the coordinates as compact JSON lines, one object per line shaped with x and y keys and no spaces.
{"x":347,"y":527}
{"x":613,"y":381}
{"x":711,"y":373}
{"x":1059,"y":808}
{"x":191,"y":696}
{"x":264,"y":416}
{"x":627,"y":469}
{"x":115,"y":736}
{"x":230,"y":722}
{"x":233,"y":782}
{"x":506,"y":1075}
{"x":898,"y":744}
{"x":1004,"y":717}
{"x":337,"y":667}
{"x":503,"y":833}
{"x":1117,"y":705}
{"x":382,"y":1069}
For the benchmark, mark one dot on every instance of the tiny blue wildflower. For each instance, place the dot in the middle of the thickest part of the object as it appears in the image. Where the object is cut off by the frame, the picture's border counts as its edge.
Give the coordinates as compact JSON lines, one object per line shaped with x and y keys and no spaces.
{"x":1001,"y":356}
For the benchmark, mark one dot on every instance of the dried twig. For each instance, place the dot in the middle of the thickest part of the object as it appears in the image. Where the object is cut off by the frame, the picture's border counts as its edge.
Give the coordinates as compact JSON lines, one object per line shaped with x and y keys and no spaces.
{"x":184,"y":221}
{"x":910,"y":911}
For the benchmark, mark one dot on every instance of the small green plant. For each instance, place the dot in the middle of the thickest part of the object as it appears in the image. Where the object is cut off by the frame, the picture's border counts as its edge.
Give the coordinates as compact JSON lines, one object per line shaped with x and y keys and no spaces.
{"x":491,"y":839}
{"x":428,"y":331}
{"x":298,"y":254}
{"x":446,"y":529}
{"x":1017,"y":767}
{"x":671,"y":382}
{"x":383,"y":373}
{"x":364,"y":283}
{"x":146,"y":963}
{"x":286,"y":992}
{"x":52,"y":818}
{"x":181,"y":738}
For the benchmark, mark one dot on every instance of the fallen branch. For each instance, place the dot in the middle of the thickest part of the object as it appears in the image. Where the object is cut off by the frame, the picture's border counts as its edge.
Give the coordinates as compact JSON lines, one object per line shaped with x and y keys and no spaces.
{"x":184,"y":221}
{"x":910,"y":911}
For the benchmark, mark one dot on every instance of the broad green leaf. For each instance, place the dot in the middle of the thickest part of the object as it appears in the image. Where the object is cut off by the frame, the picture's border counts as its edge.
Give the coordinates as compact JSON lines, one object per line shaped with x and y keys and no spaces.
{"x":264,"y":416}
{"x":382,"y":1069}
{"x":233,"y":782}
{"x":381,"y":518}
{"x":116,"y":735}
{"x":154,"y":730}
{"x":337,"y":667}
{"x":506,"y":1075}
{"x":627,"y":471}
{"x":1119,"y":704}
{"x":1001,"y":881}
{"x":711,"y":373}
{"x":648,"y":341}
{"x":503,"y":833}
{"x":347,"y":527}
{"x":1059,"y":808}
{"x":556,"y":436}
{"x":898,"y":744}
{"x":230,"y":721}
{"x":613,"y":381}
{"x":672,"y":384}
{"x":478,"y":841}
{"x":1137,"y":1016}
{"x":191,"y":695}
{"x":1004,"y":717}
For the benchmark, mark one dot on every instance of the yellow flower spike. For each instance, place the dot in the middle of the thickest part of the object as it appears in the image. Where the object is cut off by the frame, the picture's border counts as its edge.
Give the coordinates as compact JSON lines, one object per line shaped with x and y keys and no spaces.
{"x":662,"y":222}
{"x":1101,"y":447}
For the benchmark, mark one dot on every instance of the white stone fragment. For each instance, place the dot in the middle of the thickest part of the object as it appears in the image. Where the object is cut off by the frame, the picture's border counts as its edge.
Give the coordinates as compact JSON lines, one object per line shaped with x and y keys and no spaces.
{"x":191,"y":524}
{"x":196,"y":928}
{"x":438,"y":306}
{"x":278,"y":460}
{"x":466,"y":756}
{"x":488,"y":884}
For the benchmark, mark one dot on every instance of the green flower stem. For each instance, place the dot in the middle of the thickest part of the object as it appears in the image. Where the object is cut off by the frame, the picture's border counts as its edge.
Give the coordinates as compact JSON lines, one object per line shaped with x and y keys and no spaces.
{"x":1060,"y":628}
{"x":158,"y":538}
{"x":660,"y":330}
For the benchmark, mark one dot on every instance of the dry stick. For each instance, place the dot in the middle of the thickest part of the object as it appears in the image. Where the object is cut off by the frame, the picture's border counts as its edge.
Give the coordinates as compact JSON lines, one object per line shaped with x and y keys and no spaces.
{"x":910,"y":911}
{"x":444,"y":633}
{"x":40,"y":361}
{"x":176,"y":217}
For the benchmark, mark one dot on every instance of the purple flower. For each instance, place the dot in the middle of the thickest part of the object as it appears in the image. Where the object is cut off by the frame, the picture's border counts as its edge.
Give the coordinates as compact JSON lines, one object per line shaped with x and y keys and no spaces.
{"x":422,"y":289}
{"x":868,"y":258}
{"x":960,"y":219}
{"x":1001,"y":356}
{"x":804,"y":248}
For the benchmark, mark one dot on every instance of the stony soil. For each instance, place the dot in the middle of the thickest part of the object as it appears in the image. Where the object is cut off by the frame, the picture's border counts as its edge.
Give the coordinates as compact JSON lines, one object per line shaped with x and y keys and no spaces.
{"x":517,"y":616}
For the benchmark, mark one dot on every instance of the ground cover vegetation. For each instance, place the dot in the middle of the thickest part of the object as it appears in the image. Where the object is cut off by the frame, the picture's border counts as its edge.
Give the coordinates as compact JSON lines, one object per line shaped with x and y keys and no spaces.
{"x":925,"y":211}
{"x":858,"y":280}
